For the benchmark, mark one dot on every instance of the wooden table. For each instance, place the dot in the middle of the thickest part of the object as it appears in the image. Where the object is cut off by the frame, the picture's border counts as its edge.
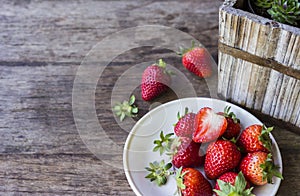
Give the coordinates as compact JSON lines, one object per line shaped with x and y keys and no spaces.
{"x":42,"y":44}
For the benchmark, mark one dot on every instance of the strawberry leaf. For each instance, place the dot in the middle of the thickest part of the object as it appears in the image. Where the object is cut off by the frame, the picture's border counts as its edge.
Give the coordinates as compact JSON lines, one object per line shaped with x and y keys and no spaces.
{"x":238,"y":189}
{"x":228,"y":113}
{"x":125,"y":109}
{"x":164,"y":143}
{"x":270,"y":169}
{"x":265,"y":137}
{"x":183,"y":50}
{"x":159,"y":172}
{"x":179,"y":179}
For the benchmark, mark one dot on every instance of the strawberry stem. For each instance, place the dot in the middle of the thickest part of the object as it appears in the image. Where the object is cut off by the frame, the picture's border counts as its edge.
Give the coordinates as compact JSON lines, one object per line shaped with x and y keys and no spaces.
{"x":162,"y":64}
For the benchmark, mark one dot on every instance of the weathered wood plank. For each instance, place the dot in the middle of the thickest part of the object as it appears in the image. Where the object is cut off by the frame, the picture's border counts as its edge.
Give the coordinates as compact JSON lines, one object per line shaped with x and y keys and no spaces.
{"x":68,"y":30}
{"x":254,"y":84}
{"x":60,"y":175}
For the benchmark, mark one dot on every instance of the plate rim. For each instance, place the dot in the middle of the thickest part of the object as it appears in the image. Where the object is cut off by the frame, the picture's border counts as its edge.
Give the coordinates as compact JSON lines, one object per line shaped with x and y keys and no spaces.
{"x":132,"y":131}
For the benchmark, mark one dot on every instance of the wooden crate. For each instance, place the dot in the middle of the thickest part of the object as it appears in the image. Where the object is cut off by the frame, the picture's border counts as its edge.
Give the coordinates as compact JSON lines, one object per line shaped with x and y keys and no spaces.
{"x":259,"y":63}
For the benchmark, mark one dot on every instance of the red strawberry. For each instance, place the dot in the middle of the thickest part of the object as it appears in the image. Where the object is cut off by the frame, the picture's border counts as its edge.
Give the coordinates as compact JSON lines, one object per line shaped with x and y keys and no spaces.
{"x":198,"y":61}
{"x":255,"y":138}
{"x":233,"y":124}
{"x":221,"y":156}
{"x":232,"y":183}
{"x":185,"y":125}
{"x":191,"y":182}
{"x":258,"y":168}
{"x":187,"y":154}
{"x":208,"y":125}
{"x":155,"y":81}
{"x":184,"y":151}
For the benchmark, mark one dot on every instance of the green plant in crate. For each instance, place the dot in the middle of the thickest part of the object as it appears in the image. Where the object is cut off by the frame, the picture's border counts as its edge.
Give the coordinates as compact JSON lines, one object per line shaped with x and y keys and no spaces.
{"x":264,"y":3}
{"x":284,"y":11}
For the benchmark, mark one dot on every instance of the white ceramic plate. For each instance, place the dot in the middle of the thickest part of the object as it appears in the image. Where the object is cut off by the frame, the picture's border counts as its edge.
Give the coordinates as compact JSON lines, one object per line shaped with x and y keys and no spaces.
{"x":138,"y":147}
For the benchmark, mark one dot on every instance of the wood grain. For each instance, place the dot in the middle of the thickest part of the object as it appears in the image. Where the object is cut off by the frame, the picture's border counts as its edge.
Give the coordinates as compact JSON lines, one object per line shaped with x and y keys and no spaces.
{"x":42,"y":45}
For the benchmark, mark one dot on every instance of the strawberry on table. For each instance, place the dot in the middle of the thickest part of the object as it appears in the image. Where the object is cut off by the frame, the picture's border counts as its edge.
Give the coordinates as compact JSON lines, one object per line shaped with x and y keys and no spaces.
{"x":258,"y":168}
{"x":185,"y":124}
{"x":233,"y":124}
{"x":255,"y":138}
{"x":221,"y":156}
{"x":191,"y":182}
{"x":232,"y":183}
{"x":208,"y":125}
{"x":155,"y":80}
{"x":197,"y":60}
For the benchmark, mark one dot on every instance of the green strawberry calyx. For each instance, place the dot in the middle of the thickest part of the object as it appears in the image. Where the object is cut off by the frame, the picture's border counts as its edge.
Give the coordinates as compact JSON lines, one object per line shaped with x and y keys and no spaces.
{"x":167,"y":144}
{"x":270,"y":169}
{"x":179,"y":180}
{"x":126,"y":108}
{"x":229,"y":114}
{"x":186,"y":111}
{"x":265,"y":138}
{"x":179,"y":116}
{"x":162,"y":64}
{"x":238,"y":189}
{"x":164,"y":143}
{"x":183,"y":50}
{"x":159,"y":172}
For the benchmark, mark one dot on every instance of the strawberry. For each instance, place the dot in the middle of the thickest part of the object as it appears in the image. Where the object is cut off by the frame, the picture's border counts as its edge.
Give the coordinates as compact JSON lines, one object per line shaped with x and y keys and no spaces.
{"x":258,"y":168}
{"x":155,"y":80}
{"x":183,"y":150}
{"x":185,"y":124}
{"x":187,"y":153}
{"x":221,"y":156}
{"x":191,"y":182}
{"x":197,"y":60}
{"x":233,"y":124}
{"x":255,"y":138}
{"x":232,"y":183}
{"x":208,"y":125}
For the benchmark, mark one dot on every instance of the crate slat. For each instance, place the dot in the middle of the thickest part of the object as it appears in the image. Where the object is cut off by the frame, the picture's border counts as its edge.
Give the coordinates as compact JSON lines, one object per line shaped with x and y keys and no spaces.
{"x":272,"y":89}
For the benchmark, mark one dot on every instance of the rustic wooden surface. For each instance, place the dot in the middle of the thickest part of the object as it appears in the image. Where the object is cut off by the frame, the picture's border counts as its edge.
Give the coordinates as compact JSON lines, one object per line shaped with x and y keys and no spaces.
{"x":42,"y":44}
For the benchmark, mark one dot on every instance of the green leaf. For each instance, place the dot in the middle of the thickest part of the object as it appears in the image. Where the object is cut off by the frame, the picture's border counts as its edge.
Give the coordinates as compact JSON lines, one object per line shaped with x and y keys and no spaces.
{"x":135,"y":110}
{"x":131,"y":100}
{"x":179,"y":179}
{"x":265,"y":137}
{"x":122,"y":116}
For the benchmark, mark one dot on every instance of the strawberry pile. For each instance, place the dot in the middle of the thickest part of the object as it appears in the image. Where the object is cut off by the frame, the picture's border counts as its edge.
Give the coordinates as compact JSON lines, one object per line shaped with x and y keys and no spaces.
{"x":234,"y":161}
